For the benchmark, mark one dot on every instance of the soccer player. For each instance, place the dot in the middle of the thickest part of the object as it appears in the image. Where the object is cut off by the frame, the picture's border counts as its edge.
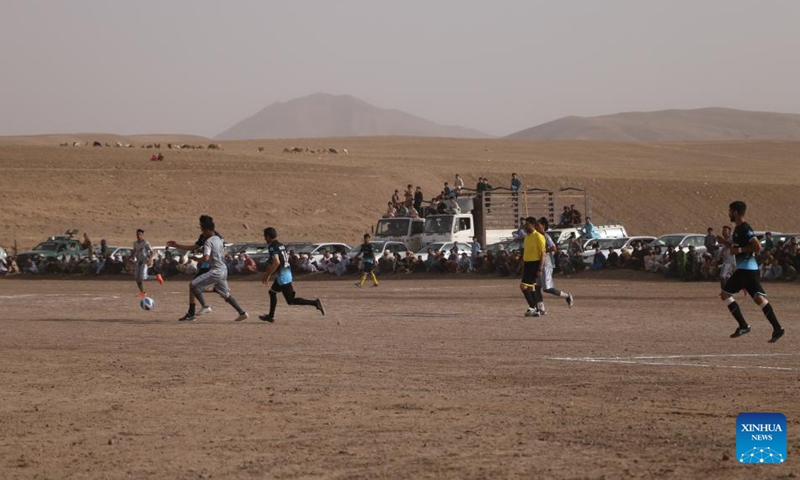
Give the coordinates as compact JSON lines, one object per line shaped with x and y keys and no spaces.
{"x":546,"y":280}
{"x":203,"y":267}
{"x":279,"y":262}
{"x":216,"y":276}
{"x":533,"y":257}
{"x":745,"y":247}
{"x":142,"y":256}
{"x":367,"y":254}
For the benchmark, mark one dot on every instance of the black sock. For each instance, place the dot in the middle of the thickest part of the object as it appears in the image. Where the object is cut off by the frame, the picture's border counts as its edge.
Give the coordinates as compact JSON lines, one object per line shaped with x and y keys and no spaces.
{"x":537,"y":294}
{"x":737,"y":314}
{"x":773,"y":320}
{"x":232,"y":301}
{"x":191,"y":308}
{"x":273,"y":302}
{"x":528,"y":293}
{"x":200,"y":298}
{"x":141,"y":287}
{"x":303,"y":301}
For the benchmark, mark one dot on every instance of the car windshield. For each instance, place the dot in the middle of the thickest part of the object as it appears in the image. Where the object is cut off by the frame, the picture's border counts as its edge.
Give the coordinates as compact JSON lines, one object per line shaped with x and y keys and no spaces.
{"x":433,"y":246}
{"x":439,"y":224}
{"x":309,"y":248}
{"x":668,"y":241}
{"x":392,"y":227}
{"x":47,"y":246}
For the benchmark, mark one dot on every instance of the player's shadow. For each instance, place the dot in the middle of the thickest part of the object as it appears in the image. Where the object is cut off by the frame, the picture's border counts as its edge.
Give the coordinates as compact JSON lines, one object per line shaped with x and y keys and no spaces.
{"x":102,"y":320}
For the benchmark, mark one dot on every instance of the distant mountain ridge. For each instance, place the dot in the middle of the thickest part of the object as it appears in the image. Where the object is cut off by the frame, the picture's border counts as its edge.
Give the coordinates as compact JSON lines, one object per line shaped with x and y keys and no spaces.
{"x":704,"y":124}
{"x":326,"y":115}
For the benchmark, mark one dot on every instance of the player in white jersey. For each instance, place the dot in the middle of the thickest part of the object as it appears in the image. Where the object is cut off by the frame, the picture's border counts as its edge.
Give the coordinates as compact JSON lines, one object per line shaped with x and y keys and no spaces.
{"x":216,"y":277}
{"x":142,"y":256}
{"x":728,"y":264}
{"x":546,"y":280}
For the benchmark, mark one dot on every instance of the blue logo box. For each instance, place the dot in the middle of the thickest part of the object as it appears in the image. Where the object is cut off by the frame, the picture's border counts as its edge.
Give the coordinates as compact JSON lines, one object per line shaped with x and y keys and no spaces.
{"x":761,"y":438}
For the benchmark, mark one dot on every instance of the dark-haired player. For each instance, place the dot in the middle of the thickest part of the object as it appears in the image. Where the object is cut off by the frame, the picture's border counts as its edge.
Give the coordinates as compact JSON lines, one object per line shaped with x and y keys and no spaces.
{"x":745,"y":247}
{"x":279,"y":264}
{"x":546,"y":280}
{"x":368,"y":260}
{"x":533,"y":256}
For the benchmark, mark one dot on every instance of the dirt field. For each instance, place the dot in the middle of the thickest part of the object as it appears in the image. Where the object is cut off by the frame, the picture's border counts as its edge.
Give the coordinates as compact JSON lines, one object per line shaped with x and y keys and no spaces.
{"x":420,"y":378}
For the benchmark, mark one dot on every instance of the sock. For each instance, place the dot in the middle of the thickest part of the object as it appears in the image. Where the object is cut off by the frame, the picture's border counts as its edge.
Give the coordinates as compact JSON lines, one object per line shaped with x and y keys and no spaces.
{"x":233,"y":303}
{"x":273,"y":302}
{"x":563,"y":294}
{"x":537,"y":292}
{"x":303,"y":301}
{"x":200,"y":298}
{"x":191,"y":308}
{"x":363,"y":279}
{"x":540,"y":306}
{"x":528,"y":293}
{"x":139,"y":284}
{"x":737,"y":313}
{"x":374,"y":278}
{"x":773,"y":320}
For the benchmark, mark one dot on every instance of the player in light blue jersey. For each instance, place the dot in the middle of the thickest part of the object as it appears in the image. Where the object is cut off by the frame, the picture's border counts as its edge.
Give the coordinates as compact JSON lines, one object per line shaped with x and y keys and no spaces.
{"x":279,"y":265}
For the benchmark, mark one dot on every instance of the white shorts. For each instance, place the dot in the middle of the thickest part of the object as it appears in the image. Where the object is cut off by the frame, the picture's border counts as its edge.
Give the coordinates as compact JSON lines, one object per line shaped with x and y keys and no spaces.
{"x":213,"y":278}
{"x":726,"y":270}
{"x":546,"y":280}
{"x":140,"y":271}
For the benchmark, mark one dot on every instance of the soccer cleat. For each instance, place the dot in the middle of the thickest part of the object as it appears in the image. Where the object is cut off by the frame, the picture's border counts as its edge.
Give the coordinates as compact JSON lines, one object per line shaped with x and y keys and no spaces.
{"x":542,"y":312}
{"x":319,"y":307}
{"x":141,"y":294}
{"x":187,"y":318}
{"x":160,"y":279}
{"x":203,"y":311}
{"x":266,"y":318}
{"x":374,"y":284}
{"x":532,"y":312}
{"x":241,"y":317}
{"x":776,"y":335}
{"x":570,"y":300}
{"x":358,"y":285}
{"x":740,"y":331}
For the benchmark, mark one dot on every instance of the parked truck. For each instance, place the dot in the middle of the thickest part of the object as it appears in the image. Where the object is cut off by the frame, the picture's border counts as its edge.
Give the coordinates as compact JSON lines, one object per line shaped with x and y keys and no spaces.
{"x":401,"y":229}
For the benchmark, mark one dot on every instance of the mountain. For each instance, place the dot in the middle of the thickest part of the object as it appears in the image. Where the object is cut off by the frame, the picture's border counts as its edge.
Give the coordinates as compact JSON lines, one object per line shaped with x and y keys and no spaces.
{"x":705,"y":124}
{"x":325,"y":115}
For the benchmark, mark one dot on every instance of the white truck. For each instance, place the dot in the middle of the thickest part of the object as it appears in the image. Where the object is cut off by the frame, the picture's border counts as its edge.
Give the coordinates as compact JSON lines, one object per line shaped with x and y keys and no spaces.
{"x":401,"y":229}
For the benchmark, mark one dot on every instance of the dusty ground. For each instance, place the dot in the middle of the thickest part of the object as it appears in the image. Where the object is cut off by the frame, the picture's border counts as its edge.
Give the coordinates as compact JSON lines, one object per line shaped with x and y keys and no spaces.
{"x":420,"y":378}
{"x":651,"y":188}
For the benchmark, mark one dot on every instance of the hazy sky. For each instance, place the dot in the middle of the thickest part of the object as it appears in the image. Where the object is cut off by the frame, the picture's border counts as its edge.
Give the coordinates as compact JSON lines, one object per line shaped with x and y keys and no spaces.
{"x":199,"y":66}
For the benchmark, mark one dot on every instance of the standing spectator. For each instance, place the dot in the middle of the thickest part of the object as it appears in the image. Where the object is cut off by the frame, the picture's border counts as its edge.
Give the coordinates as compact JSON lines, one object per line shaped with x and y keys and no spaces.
{"x":458,"y":184}
{"x":588,"y":230}
{"x":769,"y":244}
{"x":728,"y":262}
{"x":476,"y":250}
{"x":599,"y":260}
{"x":710,"y":241}
{"x":418,"y":201}
{"x":396,"y":199}
{"x":449,"y":192}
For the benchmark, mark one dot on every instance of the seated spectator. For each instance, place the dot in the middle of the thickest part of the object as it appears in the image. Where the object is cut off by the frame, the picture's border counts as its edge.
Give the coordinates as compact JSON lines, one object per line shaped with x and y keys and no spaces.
{"x":502,"y":264}
{"x":248,"y":265}
{"x":565,"y":219}
{"x":30,"y":267}
{"x":342,"y":266}
{"x":399,"y":265}
{"x":386,"y":263}
{"x":612,"y":260}
{"x":307,"y":264}
{"x":333,"y":261}
{"x":599,"y":260}
{"x":464,"y":264}
{"x":575,"y":247}
{"x":189,"y":267}
{"x":230,"y":264}
{"x":391,"y":211}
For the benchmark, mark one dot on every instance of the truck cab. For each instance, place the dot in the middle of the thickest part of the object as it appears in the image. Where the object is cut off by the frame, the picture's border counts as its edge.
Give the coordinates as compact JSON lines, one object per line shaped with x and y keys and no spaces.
{"x":406,"y":230}
{"x":446,"y":228}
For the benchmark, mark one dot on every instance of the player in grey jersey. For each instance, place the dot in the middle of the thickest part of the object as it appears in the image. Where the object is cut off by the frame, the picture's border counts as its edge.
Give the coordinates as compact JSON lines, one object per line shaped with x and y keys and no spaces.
{"x":546,"y":280}
{"x":216,"y":277}
{"x":142,"y":256}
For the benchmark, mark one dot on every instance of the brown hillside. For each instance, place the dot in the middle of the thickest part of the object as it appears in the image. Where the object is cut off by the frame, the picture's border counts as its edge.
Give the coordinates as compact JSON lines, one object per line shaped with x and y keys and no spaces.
{"x":651,"y":188}
{"x":705,"y":124}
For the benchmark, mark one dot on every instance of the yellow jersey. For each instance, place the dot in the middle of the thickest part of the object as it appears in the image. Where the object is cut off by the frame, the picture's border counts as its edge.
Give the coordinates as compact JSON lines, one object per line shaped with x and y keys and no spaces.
{"x":533,"y":247}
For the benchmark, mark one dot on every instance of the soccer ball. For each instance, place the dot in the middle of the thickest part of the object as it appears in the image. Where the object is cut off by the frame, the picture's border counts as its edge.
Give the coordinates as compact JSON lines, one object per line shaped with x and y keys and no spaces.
{"x":147,"y":303}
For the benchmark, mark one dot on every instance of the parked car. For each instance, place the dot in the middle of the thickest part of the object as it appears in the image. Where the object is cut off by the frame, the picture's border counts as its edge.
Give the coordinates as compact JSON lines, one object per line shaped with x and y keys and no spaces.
{"x":513,"y":245}
{"x":248,"y":248}
{"x":463,"y":247}
{"x":682,"y":241}
{"x":3,"y":254}
{"x":56,"y":246}
{"x":317,"y":250}
{"x":618,"y":244}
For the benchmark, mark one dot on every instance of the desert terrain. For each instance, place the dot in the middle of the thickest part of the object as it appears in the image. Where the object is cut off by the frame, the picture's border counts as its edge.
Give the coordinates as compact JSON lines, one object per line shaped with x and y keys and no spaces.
{"x":419,"y":378}
{"x":423,"y":377}
{"x":109,"y":192}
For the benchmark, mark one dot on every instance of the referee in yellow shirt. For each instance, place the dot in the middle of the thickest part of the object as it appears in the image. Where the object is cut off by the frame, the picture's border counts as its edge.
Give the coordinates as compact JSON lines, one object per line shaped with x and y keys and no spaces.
{"x":534,"y":250}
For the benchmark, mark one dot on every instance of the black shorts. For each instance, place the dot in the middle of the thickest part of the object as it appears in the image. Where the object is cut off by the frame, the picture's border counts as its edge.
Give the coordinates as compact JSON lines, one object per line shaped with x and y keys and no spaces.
{"x":744,"y":280}
{"x":368,"y":267}
{"x":287,"y":290}
{"x":530,"y":272}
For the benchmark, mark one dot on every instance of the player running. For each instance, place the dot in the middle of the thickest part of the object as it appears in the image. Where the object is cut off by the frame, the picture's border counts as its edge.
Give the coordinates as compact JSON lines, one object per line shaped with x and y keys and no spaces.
{"x":279,"y":262}
{"x":142,"y":256}
{"x":745,"y":247}
{"x":546,"y":280}
{"x":216,"y":276}
{"x":367,"y":254}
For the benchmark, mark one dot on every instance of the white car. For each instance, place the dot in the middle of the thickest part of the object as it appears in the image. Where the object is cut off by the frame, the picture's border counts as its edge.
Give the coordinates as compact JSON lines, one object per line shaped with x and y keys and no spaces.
{"x":618,"y":244}
{"x":317,"y":250}
{"x":463,"y":247}
{"x":380,"y":246}
{"x":681,"y":241}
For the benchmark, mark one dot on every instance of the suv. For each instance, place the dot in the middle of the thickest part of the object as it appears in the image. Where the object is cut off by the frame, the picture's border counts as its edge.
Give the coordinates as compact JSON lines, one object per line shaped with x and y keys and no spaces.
{"x":54,"y":247}
{"x":681,"y":241}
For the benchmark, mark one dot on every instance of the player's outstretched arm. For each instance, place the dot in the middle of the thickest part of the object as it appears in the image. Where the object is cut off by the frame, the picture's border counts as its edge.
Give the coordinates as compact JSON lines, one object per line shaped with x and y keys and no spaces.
{"x":188,"y":247}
